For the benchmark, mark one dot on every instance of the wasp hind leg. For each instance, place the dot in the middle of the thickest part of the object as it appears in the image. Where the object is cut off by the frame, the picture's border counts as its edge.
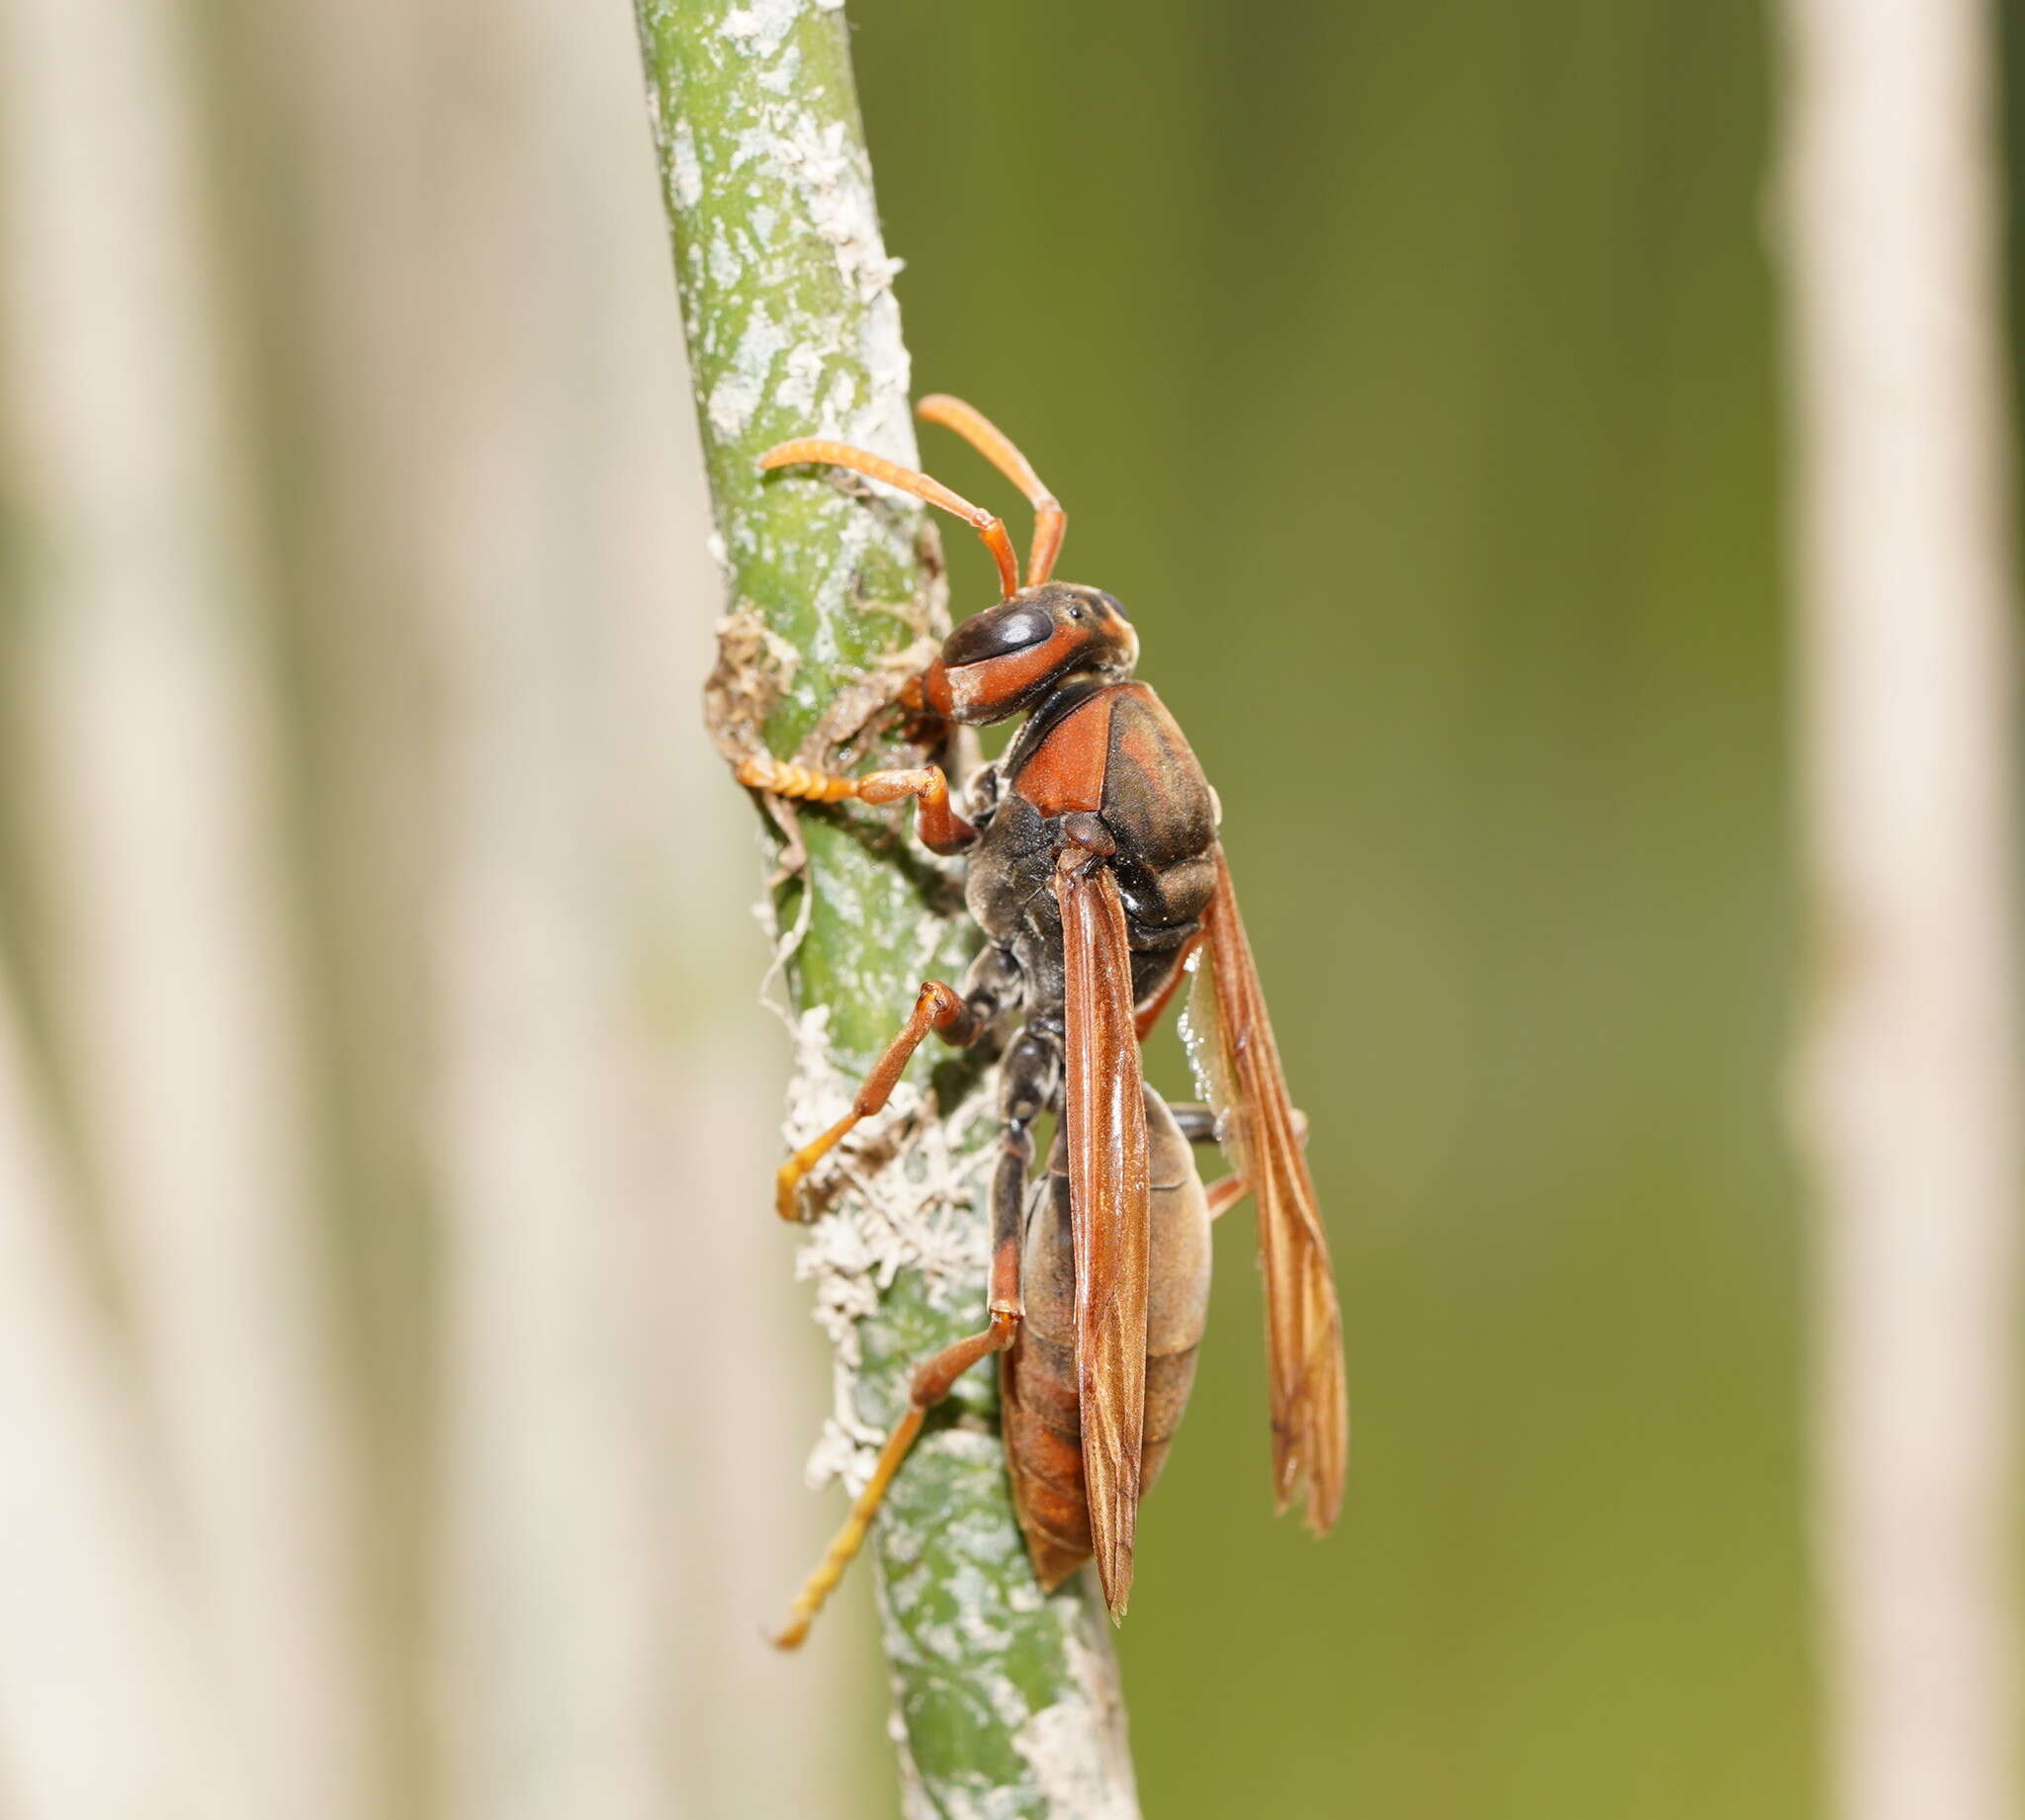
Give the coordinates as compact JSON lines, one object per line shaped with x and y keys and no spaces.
{"x":934,"y":1380}
{"x":1198,"y":1124}
{"x":1027,"y":1084}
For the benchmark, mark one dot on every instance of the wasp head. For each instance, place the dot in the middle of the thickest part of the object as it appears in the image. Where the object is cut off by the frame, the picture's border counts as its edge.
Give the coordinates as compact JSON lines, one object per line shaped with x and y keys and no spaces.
{"x":1000,"y":662}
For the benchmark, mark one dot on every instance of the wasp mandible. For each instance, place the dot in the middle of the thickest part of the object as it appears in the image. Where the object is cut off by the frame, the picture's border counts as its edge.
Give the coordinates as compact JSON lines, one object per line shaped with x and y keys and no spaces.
{"x":1093,"y":869}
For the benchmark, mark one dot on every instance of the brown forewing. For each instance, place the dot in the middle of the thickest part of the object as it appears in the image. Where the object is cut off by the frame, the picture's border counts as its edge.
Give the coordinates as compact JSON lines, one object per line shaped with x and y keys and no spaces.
{"x":1105,"y":1122}
{"x":1231,"y":1043}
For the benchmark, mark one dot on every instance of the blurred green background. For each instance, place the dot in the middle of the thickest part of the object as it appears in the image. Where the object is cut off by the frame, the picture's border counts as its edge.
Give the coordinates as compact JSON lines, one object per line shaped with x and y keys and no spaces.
{"x":1408,"y":372}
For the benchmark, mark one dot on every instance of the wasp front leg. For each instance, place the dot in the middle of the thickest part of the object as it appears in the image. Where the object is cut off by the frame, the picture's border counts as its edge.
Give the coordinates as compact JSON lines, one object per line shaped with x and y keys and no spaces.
{"x":941,"y":829}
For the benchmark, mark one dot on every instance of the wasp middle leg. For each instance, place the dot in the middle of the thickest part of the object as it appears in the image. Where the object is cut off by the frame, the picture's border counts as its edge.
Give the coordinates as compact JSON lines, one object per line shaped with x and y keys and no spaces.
{"x":959,"y":1020}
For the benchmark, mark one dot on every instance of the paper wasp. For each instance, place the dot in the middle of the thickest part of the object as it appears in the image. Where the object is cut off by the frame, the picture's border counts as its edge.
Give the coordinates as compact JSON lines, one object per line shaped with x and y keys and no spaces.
{"x":1094,"y":871}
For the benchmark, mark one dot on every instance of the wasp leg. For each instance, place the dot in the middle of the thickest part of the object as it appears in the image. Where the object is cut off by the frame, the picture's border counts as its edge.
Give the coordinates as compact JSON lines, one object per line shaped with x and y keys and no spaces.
{"x":932,"y":1380}
{"x":937,"y":1008}
{"x":1198,"y":1124}
{"x":1028,"y":1080}
{"x":1028,"y":1084}
{"x":940,"y":827}
{"x":1222,"y":1196}
{"x":994,"y":981}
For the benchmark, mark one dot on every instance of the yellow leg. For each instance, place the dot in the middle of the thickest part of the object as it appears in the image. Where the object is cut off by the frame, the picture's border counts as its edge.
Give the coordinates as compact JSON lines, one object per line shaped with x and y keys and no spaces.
{"x":931,"y":1383}
{"x":936,"y":1008}
{"x":787,"y":1184}
{"x":845,"y":1546}
{"x":941,"y":829}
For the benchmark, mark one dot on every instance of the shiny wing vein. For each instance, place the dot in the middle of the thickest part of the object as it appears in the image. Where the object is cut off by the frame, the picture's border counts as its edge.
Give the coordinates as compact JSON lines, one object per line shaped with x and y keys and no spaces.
{"x":1106,"y":1117}
{"x":1230,"y":1042}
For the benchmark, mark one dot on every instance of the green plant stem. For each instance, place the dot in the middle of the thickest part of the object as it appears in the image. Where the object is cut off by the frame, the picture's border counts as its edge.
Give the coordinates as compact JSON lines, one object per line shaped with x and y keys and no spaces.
{"x":1006,"y":1697}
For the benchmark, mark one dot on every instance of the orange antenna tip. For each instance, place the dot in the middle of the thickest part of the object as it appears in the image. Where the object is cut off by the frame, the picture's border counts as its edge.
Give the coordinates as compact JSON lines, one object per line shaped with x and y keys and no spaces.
{"x":1050,"y":522}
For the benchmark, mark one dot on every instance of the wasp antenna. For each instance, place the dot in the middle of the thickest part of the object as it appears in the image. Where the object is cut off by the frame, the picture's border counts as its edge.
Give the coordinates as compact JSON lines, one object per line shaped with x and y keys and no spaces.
{"x":1050,"y":522}
{"x":986,"y":524}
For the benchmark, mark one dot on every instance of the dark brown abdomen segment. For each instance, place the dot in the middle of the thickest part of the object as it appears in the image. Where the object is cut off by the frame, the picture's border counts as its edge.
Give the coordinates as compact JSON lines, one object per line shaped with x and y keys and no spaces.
{"x":1042,"y":1421}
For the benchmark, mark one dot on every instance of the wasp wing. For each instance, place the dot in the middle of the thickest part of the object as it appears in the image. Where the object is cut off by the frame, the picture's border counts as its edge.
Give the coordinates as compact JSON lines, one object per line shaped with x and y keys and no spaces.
{"x":1105,"y":1119}
{"x":1230,"y":1042}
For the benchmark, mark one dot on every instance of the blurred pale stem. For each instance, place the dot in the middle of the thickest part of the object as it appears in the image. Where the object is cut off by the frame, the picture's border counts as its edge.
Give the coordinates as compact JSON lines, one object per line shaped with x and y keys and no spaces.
{"x":156,"y":839}
{"x":793,"y":330}
{"x":1910,"y":1085}
{"x":90,"y":1556}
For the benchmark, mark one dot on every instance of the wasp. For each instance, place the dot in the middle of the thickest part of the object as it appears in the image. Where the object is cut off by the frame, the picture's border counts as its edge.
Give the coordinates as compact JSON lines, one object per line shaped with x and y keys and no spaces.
{"x":1094,"y":872}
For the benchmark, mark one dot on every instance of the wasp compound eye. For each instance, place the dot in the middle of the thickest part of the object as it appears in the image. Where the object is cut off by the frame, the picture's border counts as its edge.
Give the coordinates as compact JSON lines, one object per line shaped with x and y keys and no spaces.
{"x":997,"y":635}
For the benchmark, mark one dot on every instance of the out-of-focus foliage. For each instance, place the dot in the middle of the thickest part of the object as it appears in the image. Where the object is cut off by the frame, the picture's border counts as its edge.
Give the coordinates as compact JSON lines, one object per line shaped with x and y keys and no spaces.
{"x":1408,"y":373}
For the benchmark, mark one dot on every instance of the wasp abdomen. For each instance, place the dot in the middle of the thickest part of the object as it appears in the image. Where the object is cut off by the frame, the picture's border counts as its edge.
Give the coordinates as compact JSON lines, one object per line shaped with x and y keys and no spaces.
{"x":1042,"y":1407}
